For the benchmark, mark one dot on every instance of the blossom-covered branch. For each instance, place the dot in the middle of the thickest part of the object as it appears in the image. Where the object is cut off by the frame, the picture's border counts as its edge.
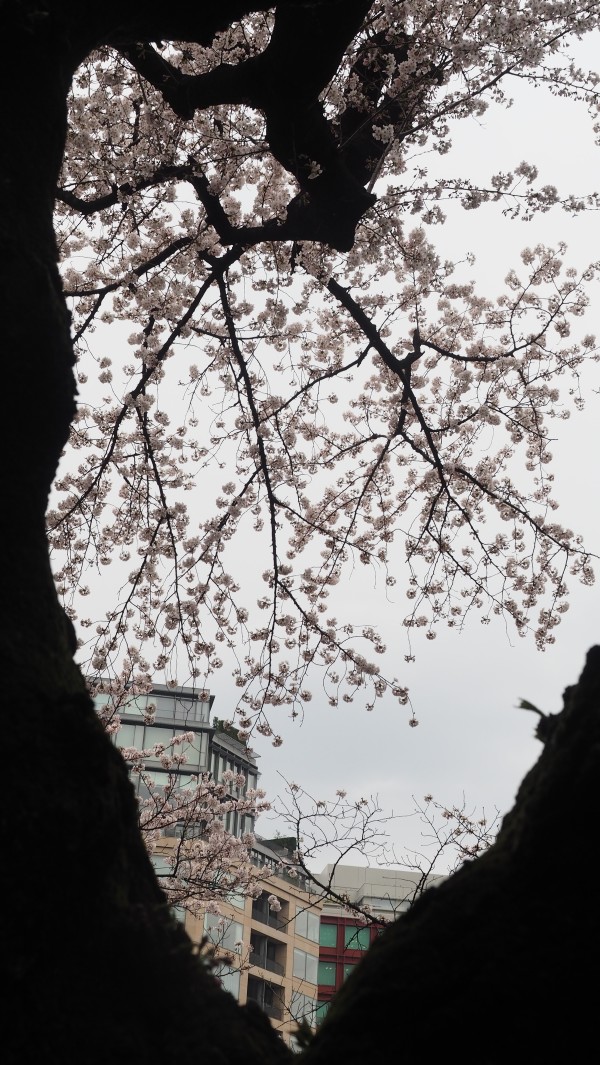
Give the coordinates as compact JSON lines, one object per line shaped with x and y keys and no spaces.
{"x":357,"y":406}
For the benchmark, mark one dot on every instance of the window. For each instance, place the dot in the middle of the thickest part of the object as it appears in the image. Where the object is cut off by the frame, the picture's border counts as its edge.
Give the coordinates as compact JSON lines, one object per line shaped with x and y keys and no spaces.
{"x":322,"y":1010}
{"x":328,"y":935}
{"x":230,"y":980}
{"x":154,"y":735}
{"x":307,"y":925}
{"x":150,"y":782}
{"x":270,"y":997}
{"x":347,"y":970}
{"x":162,"y":865}
{"x":134,"y":707}
{"x":131,"y":736}
{"x":196,"y":752}
{"x":268,"y":953}
{"x":247,"y":824}
{"x":261,"y":911}
{"x":303,"y":1007}
{"x":305,"y":966}
{"x":327,"y":973}
{"x":224,"y":932}
{"x":356,"y":938}
{"x":237,"y":900}
{"x":232,"y":823}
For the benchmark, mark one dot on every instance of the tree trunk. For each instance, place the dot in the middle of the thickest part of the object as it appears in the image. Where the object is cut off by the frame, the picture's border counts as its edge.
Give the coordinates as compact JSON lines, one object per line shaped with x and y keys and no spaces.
{"x":95,"y":967}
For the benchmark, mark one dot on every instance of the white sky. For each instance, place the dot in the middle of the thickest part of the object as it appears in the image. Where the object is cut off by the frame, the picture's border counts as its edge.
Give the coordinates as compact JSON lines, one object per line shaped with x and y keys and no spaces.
{"x":471,"y":742}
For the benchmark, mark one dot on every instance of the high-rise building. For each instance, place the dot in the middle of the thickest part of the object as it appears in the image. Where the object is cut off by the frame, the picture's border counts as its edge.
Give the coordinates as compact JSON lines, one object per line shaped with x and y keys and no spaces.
{"x":152,"y":720}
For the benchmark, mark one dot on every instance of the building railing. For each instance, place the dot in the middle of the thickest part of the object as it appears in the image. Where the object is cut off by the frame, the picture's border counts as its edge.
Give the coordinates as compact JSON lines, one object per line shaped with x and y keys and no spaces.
{"x":180,"y":710}
{"x":265,"y":917}
{"x":273,"y":1011}
{"x":288,"y":873}
{"x":266,"y":963}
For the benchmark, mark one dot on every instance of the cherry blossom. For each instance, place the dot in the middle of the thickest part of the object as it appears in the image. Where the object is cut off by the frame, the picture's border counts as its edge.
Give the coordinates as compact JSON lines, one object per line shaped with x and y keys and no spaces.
{"x":256,"y":369}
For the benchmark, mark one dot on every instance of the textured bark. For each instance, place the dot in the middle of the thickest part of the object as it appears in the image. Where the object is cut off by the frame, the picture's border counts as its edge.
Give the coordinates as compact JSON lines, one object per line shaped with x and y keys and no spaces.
{"x":497,"y":965}
{"x":94,"y":967}
{"x":36,"y":352}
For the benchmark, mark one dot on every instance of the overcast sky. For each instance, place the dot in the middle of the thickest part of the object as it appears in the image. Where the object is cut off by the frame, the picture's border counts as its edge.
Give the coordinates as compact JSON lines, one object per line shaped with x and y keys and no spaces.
{"x":471,"y":740}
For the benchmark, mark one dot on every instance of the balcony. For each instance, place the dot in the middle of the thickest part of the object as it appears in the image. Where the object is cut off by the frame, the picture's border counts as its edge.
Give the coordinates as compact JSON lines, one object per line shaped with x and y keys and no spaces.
{"x":262,"y":912}
{"x":269,"y":997}
{"x":270,"y":919}
{"x":265,"y":962}
{"x":283,"y":869}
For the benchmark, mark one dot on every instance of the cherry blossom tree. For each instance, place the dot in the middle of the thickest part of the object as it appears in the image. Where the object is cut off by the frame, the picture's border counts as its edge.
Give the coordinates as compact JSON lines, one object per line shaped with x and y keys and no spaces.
{"x":237,"y":186}
{"x":183,"y":827}
{"x":347,"y":827}
{"x":262,"y":286}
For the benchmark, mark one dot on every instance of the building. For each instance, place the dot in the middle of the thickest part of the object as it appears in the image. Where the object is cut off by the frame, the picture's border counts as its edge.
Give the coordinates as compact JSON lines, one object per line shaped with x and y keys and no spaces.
{"x":156,"y":718}
{"x":385,"y":893}
{"x":288,"y":950}
{"x":269,"y":945}
{"x":266,"y":948}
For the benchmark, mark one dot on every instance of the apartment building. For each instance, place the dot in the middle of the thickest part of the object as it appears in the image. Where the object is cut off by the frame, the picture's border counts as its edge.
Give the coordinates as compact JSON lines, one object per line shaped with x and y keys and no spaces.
{"x":267,"y":948}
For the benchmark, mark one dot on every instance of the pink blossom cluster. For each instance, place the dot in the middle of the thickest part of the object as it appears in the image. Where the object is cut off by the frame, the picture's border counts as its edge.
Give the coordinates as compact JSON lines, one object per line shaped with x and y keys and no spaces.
{"x":327,"y":410}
